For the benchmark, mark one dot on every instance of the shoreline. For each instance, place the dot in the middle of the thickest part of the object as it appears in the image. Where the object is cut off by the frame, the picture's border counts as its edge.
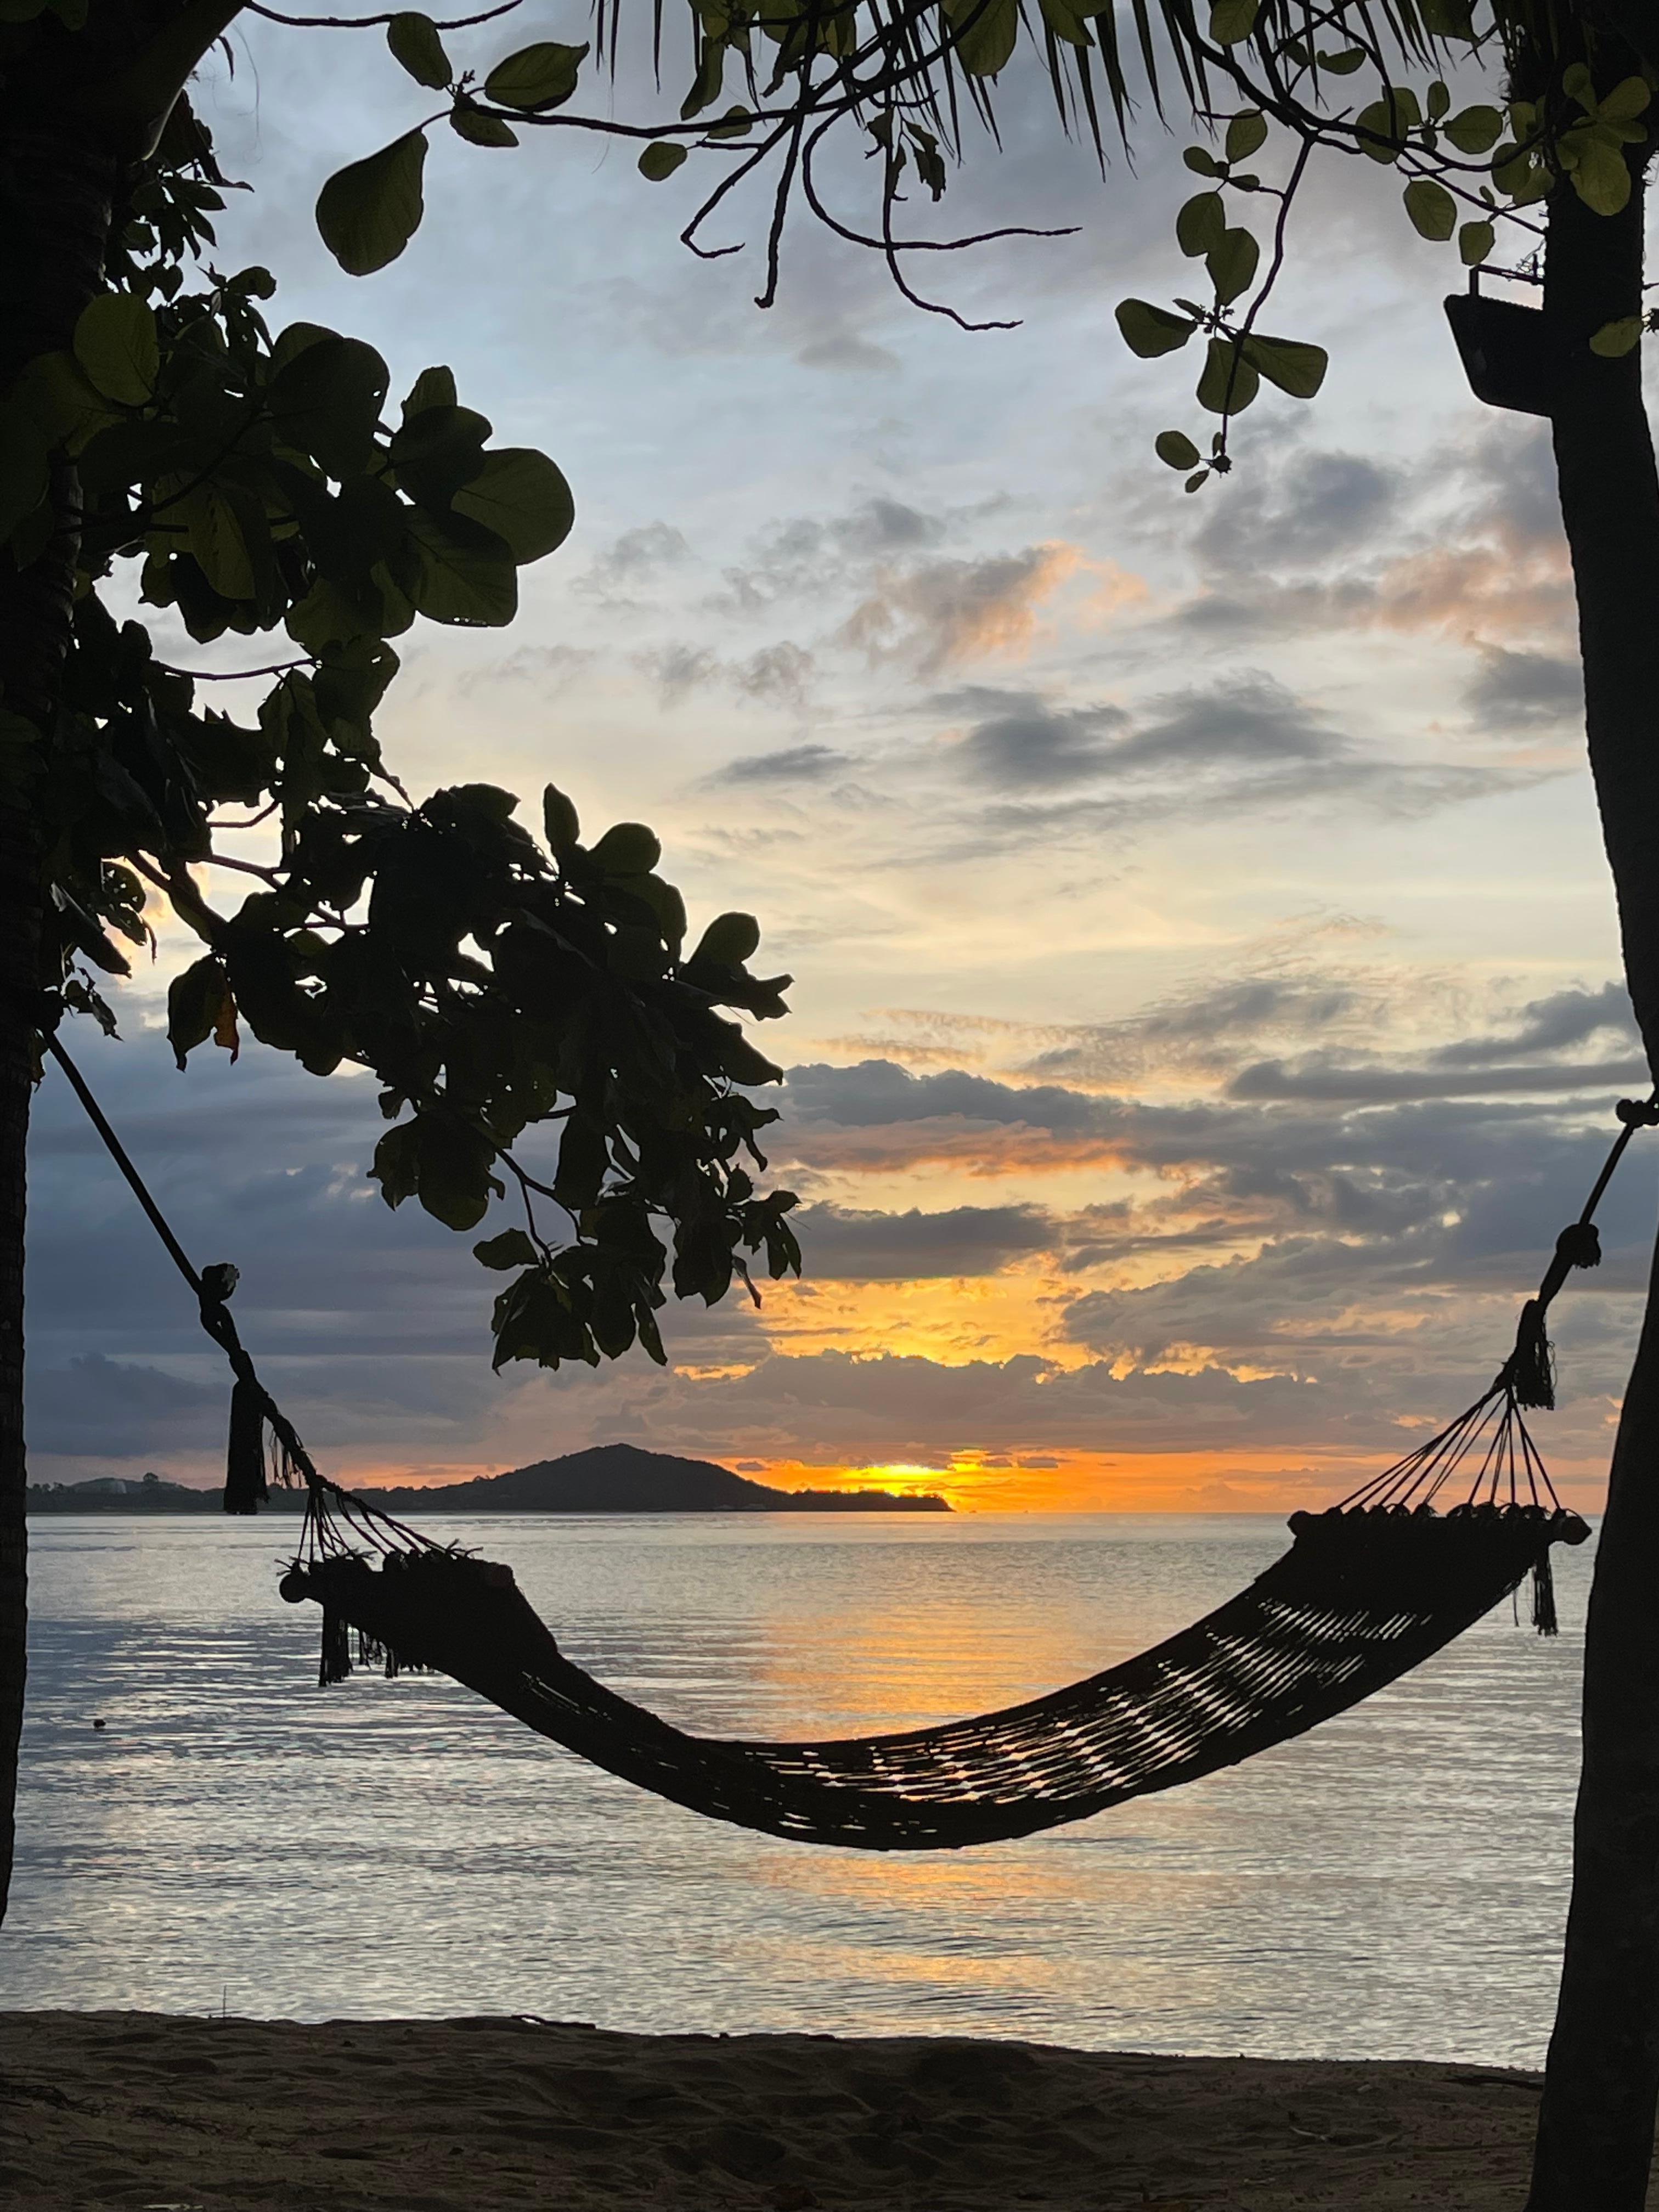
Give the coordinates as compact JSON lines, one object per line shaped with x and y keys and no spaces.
{"x":117,"y":2109}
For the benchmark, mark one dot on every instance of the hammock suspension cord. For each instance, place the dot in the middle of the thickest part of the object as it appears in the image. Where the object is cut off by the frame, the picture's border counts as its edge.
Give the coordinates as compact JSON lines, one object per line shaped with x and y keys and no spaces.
{"x":1370,"y":1588}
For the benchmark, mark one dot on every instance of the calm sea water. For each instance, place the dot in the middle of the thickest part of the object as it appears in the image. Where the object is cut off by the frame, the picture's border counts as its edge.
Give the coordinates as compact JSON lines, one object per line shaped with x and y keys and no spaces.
{"x":1393,"y":1884}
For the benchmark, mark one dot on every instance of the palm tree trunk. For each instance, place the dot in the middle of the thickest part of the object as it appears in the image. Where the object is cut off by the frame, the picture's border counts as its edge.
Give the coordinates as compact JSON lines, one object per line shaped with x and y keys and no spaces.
{"x":55,"y":196}
{"x":1595,"y":2134}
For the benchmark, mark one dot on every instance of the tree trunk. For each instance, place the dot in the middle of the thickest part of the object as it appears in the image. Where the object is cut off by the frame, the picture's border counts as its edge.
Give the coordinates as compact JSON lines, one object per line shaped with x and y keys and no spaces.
{"x":55,"y":196}
{"x":1595,"y":2134}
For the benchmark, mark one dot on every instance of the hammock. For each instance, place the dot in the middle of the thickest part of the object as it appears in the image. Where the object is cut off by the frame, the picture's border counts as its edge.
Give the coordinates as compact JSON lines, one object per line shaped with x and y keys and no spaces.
{"x":1368,"y":1590}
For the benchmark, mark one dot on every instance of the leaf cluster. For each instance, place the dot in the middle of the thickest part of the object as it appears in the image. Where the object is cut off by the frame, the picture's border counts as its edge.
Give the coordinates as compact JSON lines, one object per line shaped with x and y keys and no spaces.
{"x":496,"y":983}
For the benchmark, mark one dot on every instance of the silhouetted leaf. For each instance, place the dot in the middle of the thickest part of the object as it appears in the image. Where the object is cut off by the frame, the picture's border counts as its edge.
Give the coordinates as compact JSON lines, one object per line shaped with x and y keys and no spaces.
{"x":521,"y":496}
{"x":1149,"y":330}
{"x":116,"y":344}
{"x":1433,"y":209}
{"x":416,"y":48}
{"x":538,"y":77}
{"x":368,"y":212}
{"x":660,"y":160}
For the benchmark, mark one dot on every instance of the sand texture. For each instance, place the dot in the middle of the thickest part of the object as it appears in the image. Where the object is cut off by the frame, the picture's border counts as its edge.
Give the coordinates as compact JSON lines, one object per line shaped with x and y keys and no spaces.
{"x":140,"y":2110}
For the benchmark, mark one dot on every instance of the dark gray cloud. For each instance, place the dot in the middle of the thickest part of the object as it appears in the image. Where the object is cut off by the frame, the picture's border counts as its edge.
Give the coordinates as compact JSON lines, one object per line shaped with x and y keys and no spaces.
{"x":1320,"y":505}
{"x":1374,"y":1085}
{"x":808,"y":763}
{"x":1021,"y":741}
{"x":95,"y":1405}
{"x":1518,"y":691}
{"x":1024,"y":744}
{"x":1551,"y":1025}
{"x":849,"y":1245}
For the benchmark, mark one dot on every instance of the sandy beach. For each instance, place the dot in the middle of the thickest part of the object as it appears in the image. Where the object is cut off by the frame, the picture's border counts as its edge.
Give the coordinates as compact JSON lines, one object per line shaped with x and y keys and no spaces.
{"x":171,"y":2114}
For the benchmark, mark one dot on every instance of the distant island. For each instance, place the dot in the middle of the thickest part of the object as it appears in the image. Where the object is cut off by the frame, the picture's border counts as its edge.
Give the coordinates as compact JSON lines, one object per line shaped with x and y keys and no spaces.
{"x":606,"y":1479}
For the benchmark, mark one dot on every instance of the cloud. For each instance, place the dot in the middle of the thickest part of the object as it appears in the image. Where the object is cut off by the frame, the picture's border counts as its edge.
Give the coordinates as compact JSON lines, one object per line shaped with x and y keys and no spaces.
{"x":777,"y":675}
{"x":936,"y":613}
{"x":633,"y":561}
{"x":806,"y":763}
{"x":1321,"y":504}
{"x":1520,"y":690}
{"x":1024,"y":744}
{"x":95,"y":1405}
{"x":1371,"y":1085}
{"x":856,"y":1246}
{"x":1565,"y":1017}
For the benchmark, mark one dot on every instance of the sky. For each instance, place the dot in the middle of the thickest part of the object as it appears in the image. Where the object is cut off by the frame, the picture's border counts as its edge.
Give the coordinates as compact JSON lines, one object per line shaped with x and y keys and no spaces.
{"x":1207,"y":1006}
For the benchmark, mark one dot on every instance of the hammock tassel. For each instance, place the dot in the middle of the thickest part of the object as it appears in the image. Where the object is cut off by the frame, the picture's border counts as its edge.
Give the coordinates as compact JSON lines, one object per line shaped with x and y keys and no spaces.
{"x":1543,"y":1597}
{"x":1532,"y":1363}
{"x":246,"y":1487}
{"x":335,"y":1665}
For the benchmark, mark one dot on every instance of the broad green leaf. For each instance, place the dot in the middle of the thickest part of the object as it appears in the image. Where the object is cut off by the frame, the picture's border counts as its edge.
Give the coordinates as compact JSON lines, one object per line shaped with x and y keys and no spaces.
{"x":1384,"y":125}
{"x":1295,"y":368}
{"x":1201,"y":223}
{"x":1345,"y":63}
{"x":1232,"y":264}
{"x":1613,"y":340}
{"x":1176,"y":450}
{"x":627,"y":848}
{"x":987,"y":33}
{"x":1474,"y":129}
{"x":1201,"y":161}
{"x":1601,"y":177}
{"x":1195,"y":483}
{"x":217,"y":541}
{"x":542,"y":75}
{"x":326,"y":400}
{"x":1578,"y":84}
{"x":1246,"y":134}
{"x":1475,"y":243}
{"x":116,"y":344}
{"x":368,"y":212}
{"x":463,"y":574}
{"x":416,"y":48}
{"x":433,"y":387}
{"x":523,"y":497}
{"x":729,"y":940}
{"x":1438,"y":102}
{"x":1149,"y":331}
{"x":512,"y":1249}
{"x":1433,"y":209}
{"x":660,"y":160}
{"x":561,"y":821}
{"x":1229,"y":382}
{"x":1231,"y":20}
{"x":479,"y":128}
{"x":1625,"y":102}
{"x":437,"y":451}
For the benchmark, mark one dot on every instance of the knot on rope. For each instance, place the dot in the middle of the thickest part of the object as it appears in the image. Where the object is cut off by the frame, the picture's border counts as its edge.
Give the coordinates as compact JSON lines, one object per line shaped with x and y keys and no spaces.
{"x":1579,"y":1245}
{"x":1638,"y":1113}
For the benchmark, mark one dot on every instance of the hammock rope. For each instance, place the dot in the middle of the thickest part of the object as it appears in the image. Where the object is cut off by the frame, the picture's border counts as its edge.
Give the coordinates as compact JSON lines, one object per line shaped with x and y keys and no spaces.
{"x":1370,"y":1588}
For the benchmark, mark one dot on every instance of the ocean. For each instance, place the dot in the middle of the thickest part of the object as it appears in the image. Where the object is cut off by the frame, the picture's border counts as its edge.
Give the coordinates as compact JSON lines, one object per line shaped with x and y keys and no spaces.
{"x":1393,"y":1884}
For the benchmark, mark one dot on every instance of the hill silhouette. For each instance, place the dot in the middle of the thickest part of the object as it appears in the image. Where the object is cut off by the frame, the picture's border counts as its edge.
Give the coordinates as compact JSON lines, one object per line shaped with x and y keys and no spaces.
{"x":604,"y":1479}
{"x":623,"y":1478}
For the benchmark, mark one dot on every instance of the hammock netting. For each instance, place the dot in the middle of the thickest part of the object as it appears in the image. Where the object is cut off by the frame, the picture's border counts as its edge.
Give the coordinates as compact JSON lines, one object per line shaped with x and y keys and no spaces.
{"x":1367,"y":1591}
